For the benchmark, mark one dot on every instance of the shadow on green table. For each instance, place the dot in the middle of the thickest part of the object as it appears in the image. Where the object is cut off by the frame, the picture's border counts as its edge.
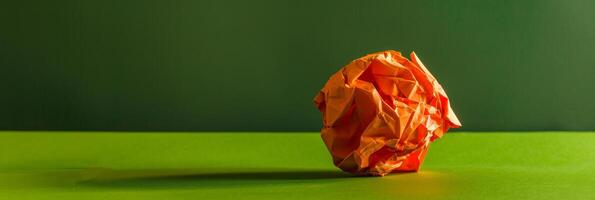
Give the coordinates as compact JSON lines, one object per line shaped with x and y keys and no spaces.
{"x":176,"y":178}
{"x":312,"y":183}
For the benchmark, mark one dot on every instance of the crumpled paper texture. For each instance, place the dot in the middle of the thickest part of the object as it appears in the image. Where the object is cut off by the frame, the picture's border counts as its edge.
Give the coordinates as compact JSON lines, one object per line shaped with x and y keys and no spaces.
{"x":380,"y":113}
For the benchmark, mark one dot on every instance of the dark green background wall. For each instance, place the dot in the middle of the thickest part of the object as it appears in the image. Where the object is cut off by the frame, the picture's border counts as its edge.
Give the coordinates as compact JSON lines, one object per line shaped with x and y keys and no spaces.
{"x":256,"y":65}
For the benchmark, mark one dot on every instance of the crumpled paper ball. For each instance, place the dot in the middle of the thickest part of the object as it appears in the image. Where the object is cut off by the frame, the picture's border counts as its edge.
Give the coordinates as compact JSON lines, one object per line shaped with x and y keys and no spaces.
{"x":380,"y":113}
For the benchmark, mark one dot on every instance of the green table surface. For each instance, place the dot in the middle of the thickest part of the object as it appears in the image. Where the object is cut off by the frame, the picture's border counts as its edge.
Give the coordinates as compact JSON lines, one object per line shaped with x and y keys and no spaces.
{"x":461,"y":165}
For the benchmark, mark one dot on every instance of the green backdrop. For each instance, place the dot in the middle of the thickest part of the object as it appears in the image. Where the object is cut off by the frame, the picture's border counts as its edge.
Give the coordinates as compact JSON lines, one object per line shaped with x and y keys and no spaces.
{"x":256,"y":65}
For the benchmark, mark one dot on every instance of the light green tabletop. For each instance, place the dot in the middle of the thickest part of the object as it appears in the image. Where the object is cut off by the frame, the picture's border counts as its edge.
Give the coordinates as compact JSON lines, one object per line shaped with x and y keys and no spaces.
{"x":104,"y":165}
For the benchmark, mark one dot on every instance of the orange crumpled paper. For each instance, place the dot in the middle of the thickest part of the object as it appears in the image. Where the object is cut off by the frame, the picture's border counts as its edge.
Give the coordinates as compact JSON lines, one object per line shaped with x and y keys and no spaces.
{"x":380,"y":113}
